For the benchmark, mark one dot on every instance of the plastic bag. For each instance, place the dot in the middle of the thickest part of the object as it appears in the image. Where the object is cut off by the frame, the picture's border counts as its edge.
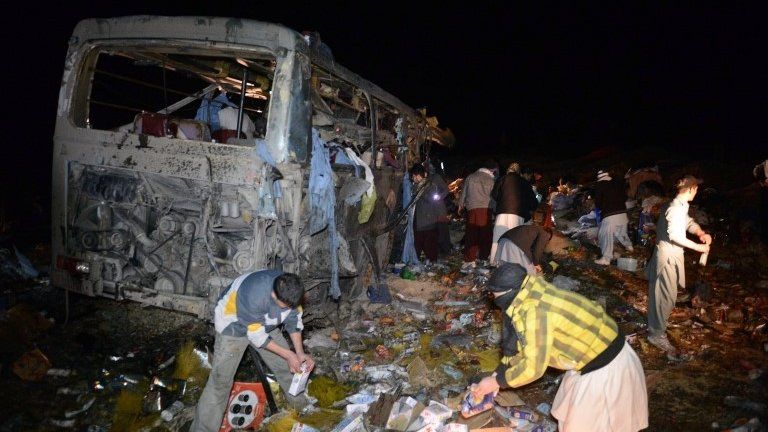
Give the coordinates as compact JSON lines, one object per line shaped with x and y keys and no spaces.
{"x":366,"y":208}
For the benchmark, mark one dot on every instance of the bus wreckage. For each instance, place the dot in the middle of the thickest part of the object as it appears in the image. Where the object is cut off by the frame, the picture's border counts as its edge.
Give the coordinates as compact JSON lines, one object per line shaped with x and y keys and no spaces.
{"x":190,"y":150}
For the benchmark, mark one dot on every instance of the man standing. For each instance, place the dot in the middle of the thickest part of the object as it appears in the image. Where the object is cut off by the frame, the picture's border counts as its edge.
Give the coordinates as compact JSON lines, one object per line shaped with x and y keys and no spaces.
{"x":476,"y":198}
{"x":524,"y":245}
{"x":542,"y":325}
{"x":445,"y":247}
{"x":610,"y":198}
{"x":514,"y":203}
{"x":425,"y":234}
{"x":252,"y":311}
{"x":666,"y":268}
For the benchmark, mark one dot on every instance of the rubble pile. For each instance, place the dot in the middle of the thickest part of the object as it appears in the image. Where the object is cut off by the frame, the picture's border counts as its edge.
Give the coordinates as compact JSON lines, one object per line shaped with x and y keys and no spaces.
{"x":407,"y":365}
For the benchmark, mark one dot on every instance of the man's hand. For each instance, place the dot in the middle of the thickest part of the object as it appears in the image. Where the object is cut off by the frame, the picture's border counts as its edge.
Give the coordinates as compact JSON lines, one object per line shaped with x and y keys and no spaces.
{"x":307,"y":361}
{"x":538,"y":268}
{"x":705,"y":238}
{"x":703,"y":248}
{"x":485,"y":386}
{"x":294,"y":364}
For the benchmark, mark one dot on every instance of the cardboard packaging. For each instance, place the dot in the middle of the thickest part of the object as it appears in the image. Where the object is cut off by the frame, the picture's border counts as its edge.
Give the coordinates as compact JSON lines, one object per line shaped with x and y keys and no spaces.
{"x":299,"y":382}
{"x":245,"y":409}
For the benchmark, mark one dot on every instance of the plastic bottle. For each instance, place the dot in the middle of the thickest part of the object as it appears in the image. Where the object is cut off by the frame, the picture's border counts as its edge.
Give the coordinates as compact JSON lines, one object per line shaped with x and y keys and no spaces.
{"x":169,"y":413}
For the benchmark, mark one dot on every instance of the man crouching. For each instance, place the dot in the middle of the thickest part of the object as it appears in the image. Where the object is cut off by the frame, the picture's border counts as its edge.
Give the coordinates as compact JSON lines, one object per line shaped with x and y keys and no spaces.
{"x":251,"y":311}
{"x":604,"y":386}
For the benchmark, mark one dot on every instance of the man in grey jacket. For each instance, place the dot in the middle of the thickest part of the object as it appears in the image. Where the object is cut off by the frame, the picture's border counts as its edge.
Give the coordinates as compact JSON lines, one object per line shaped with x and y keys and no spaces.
{"x":252,"y":311}
{"x":666,"y":268}
{"x":476,"y":198}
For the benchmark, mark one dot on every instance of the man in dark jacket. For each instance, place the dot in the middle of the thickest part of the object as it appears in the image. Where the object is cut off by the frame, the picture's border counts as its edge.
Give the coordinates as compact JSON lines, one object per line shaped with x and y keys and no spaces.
{"x":515,"y":201}
{"x":445,"y":247}
{"x":524,"y":245}
{"x":610,"y":196}
{"x":427,"y":214}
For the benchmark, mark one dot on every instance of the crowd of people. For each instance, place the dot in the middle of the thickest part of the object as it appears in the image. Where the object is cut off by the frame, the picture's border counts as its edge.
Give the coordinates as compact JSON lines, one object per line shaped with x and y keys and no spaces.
{"x":543,"y":326}
{"x":604,"y":386}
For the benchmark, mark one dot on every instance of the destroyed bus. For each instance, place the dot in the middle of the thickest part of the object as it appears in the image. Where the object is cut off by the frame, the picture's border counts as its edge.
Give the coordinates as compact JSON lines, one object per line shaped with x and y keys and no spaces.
{"x":188,"y":150}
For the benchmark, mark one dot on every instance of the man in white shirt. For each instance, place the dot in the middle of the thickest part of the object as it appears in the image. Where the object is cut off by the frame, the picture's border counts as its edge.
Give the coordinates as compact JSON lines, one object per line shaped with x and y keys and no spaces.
{"x":666,"y":268}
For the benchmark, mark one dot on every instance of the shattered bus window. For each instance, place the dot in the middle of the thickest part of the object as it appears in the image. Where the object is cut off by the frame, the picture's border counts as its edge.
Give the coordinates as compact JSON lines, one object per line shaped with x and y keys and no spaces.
{"x":177,"y":95}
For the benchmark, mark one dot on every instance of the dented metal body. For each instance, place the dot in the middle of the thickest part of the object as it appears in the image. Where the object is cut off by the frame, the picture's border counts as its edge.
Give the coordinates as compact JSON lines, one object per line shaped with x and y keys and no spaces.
{"x":169,"y":219}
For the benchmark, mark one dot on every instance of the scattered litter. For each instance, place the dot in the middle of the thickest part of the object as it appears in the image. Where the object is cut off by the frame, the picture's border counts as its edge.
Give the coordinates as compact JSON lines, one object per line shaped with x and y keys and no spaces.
{"x":566,"y":283}
{"x":69,"y":391}
{"x":63,"y":423}
{"x":472,"y":406}
{"x":382,"y":352}
{"x":739,"y":402}
{"x":32,"y":365}
{"x":627,"y":264}
{"x":403,"y":412}
{"x":351,"y":424}
{"x":301,"y":427}
{"x":453,"y":303}
{"x":84,"y":408}
{"x":245,"y":409}
{"x":327,"y":390}
{"x":453,"y":372}
{"x":459,"y":340}
{"x":743,"y":425}
{"x":60,"y":372}
{"x":418,"y":374}
{"x":15,"y":266}
{"x":544,"y":408}
{"x":299,"y":381}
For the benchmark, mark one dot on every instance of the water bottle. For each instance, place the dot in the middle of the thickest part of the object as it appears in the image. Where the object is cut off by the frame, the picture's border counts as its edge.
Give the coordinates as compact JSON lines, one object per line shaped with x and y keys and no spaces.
{"x":169,"y":413}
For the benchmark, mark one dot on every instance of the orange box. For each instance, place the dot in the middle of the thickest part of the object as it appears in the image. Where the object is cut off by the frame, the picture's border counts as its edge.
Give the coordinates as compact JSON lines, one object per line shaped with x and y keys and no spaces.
{"x":245,"y":409}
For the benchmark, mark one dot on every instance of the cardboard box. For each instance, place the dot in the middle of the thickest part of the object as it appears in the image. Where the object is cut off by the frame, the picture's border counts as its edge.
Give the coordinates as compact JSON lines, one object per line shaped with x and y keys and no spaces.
{"x":404,"y":411}
{"x":245,"y":408}
{"x":436,"y":413}
{"x":299,"y":382}
{"x":455,"y":427}
{"x":301,"y":427}
{"x":351,"y":424}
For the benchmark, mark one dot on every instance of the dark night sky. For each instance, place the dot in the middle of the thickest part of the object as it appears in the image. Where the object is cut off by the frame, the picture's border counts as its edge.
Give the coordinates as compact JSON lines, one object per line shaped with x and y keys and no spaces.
{"x":563,"y":76}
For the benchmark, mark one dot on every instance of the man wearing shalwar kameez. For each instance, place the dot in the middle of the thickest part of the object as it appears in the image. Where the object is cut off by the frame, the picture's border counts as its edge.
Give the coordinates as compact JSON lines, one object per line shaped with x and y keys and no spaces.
{"x":666,"y":268}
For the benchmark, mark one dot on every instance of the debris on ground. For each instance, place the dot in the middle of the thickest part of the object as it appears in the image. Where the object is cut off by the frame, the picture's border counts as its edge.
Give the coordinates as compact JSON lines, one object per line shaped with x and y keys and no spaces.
{"x":405,"y":364}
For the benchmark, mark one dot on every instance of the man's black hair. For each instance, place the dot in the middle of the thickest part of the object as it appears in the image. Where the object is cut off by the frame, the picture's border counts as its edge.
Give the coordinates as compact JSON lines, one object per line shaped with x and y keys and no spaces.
{"x":760,"y":173}
{"x":418,"y":169}
{"x":288,"y":289}
{"x":490,"y":164}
